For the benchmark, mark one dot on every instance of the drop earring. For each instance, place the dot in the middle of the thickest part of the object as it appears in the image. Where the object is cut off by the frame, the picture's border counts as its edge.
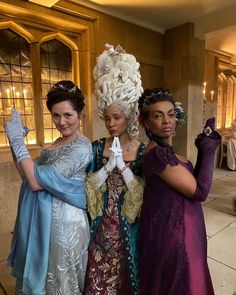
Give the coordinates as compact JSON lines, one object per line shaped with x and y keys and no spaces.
{"x":149,"y":133}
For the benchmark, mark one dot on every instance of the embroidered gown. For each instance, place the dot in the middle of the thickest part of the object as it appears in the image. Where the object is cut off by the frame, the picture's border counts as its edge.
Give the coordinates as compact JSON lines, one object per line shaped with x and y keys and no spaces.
{"x":63,"y":250}
{"x":112,"y":261}
{"x":172,"y":236}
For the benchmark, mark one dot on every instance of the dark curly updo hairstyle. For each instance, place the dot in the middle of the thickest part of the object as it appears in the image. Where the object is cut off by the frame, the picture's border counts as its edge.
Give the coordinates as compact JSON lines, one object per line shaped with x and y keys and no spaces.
{"x":149,"y":97}
{"x":66,"y":90}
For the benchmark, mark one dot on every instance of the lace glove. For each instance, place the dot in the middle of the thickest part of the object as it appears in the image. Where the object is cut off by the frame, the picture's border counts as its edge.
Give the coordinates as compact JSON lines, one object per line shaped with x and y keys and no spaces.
{"x":25,"y":132}
{"x":120,"y":164}
{"x":206,"y":144}
{"x":105,"y":171}
{"x":15,"y":133}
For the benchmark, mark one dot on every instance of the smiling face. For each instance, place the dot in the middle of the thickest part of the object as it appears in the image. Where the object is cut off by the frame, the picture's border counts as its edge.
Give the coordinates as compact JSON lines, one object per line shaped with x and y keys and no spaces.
{"x":65,"y":118}
{"x":161,"y":120}
{"x":115,"y":121}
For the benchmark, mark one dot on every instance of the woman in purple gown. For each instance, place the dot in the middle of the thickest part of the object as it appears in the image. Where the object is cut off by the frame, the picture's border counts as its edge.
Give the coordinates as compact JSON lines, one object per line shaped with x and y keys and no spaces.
{"x":172,"y":234}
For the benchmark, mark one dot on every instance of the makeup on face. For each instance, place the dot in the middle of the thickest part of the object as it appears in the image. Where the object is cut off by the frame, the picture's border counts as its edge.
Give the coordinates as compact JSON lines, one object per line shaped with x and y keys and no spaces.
{"x":115,"y":121}
{"x":161,"y":119}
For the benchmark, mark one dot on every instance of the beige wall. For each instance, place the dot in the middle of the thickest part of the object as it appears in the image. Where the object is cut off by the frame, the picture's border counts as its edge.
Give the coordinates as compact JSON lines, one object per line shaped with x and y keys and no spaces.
{"x":9,"y":192}
{"x":184,"y":74}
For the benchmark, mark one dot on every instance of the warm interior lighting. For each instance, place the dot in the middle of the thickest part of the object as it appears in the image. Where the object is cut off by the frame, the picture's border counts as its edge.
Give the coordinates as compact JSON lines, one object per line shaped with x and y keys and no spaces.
{"x":8,"y":92}
{"x":24,"y":93}
{"x":212,"y":94}
{"x":47,"y":3}
{"x":159,"y":3}
{"x":204,"y":92}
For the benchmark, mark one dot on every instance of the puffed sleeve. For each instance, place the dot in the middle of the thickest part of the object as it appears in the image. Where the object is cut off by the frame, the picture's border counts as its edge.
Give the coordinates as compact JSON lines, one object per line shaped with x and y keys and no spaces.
{"x":156,"y":160}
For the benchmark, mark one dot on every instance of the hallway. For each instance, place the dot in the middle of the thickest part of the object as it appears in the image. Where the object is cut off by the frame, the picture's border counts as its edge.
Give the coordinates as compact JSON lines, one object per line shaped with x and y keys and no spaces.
{"x":220,"y":217}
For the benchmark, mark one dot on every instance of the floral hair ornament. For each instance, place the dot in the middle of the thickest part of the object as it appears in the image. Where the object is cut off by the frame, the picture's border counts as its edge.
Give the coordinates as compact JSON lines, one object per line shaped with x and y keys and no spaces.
{"x":180,"y":114}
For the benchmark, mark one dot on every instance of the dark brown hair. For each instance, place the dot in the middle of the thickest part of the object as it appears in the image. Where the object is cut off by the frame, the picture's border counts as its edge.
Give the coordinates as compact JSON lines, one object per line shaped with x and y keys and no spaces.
{"x":66,"y":90}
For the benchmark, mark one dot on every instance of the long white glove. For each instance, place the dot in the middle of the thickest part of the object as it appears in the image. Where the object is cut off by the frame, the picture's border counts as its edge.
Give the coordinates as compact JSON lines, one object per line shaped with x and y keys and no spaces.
{"x":105,"y":171}
{"x":15,"y":133}
{"x":120,"y":164}
{"x":25,"y":132}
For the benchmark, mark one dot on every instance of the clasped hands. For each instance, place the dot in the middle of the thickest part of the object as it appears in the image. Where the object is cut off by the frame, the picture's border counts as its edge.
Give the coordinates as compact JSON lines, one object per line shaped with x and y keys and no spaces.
{"x":116,"y":157}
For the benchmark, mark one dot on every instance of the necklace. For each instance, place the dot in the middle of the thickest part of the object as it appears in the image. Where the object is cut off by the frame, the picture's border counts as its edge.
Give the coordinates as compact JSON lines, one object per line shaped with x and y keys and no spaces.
{"x":64,"y":140}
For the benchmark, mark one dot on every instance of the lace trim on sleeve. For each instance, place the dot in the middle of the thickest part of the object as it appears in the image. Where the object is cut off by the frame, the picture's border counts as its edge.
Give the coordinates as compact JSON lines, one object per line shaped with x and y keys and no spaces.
{"x":161,"y":157}
{"x":133,"y":200}
{"x":94,"y":197}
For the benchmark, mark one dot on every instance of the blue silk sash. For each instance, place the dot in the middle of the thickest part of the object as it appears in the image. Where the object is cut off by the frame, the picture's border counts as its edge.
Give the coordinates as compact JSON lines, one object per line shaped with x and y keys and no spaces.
{"x":31,"y":239}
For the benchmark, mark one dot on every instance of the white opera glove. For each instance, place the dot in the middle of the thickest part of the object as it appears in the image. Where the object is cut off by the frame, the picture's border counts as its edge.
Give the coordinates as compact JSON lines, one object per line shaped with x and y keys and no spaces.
{"x":25,"y":132}
{"x":105,"y":171}
{"x":120,"y":164}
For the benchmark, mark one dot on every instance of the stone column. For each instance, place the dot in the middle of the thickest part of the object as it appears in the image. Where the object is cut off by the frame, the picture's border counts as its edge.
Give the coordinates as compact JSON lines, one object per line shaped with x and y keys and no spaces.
{"x":183,"y":75}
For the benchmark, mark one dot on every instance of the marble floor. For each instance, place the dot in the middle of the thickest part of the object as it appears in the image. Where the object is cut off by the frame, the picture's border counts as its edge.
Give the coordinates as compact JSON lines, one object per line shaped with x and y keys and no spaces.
{"x":220,"y":216}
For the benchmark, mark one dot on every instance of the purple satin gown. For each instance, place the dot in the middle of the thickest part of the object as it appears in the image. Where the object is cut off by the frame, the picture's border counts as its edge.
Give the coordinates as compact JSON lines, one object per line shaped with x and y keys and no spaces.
{"x":172,"y":237}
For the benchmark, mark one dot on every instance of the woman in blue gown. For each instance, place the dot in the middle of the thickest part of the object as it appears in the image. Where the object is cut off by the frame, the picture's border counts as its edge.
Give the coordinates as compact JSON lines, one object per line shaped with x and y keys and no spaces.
{"x":51,"y":236}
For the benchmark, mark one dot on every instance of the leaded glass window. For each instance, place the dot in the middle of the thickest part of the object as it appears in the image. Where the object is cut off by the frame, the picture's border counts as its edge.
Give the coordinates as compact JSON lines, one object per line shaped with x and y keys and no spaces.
{"x":15,"y":82}
{"x":56,"y":64}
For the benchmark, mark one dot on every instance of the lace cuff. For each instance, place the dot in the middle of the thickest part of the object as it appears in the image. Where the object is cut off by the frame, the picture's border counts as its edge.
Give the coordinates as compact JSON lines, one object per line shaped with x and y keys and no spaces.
{"x":133,"y":200}
{"x":94,"y":197}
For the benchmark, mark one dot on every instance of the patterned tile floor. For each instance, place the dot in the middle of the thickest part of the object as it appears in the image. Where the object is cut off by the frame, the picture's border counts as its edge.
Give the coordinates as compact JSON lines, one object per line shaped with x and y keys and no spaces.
{"x":220,"y":216}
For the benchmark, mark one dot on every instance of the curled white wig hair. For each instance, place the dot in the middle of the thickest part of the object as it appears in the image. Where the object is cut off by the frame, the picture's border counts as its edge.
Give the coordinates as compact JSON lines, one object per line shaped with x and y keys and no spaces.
{"x":118,"y":82}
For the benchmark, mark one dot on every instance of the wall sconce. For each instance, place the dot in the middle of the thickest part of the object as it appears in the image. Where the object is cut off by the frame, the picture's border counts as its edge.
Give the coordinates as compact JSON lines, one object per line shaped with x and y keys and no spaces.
{"x":204,"y":92}
{"x":208,"y":103}
{"x":212,"y":94}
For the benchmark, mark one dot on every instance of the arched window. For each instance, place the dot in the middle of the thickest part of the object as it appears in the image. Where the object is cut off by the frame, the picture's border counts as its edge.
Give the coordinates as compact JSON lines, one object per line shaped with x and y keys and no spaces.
{"x":56,"y":65}
{"x":24,"y":82}
{"x":226,"y":102}
{"x":15,"y":82}
{"x":220,"y":101}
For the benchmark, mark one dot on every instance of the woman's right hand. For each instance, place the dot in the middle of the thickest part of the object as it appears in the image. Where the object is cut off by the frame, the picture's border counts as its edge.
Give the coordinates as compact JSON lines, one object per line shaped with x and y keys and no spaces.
{"x":115,"y":152}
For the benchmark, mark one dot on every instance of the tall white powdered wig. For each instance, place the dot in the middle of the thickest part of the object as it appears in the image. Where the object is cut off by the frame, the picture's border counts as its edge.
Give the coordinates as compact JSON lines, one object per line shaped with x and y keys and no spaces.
{"x":118,"y":82}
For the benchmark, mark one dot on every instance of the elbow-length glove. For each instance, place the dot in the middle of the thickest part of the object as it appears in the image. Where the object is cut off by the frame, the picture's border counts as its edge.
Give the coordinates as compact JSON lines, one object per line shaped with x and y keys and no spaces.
{"x":206,"y":144}
{"x":15,"y":133}
{"x":25,"y":132}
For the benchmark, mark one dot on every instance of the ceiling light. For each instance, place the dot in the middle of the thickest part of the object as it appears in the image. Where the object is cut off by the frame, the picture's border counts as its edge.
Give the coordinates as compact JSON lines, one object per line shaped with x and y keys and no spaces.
{"x":47,"y":3}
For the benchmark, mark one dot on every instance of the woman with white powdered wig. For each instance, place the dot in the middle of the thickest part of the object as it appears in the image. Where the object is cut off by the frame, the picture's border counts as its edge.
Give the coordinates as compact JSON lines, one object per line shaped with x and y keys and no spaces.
{"x":114,"y":185}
